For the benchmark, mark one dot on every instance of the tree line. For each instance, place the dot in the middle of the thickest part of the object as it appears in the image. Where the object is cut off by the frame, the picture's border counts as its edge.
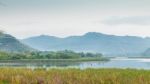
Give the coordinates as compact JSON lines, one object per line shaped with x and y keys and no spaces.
{"x":66,"y":54}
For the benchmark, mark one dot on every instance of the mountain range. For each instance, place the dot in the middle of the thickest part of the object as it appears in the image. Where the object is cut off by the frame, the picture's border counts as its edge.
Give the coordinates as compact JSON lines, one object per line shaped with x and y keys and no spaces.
{"x":91,"y":42}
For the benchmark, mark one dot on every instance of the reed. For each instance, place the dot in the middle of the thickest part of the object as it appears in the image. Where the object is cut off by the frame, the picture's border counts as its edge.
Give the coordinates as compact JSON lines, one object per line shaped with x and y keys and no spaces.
{"x":73,"y":76}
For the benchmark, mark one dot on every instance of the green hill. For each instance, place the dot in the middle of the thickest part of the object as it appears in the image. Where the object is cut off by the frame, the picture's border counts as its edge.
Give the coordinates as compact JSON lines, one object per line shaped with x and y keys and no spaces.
{"x":11,"y":44}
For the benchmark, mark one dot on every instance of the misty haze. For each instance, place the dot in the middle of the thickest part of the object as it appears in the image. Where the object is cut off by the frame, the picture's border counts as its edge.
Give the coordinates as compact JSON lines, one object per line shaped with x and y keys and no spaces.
{"x":74,"y":42}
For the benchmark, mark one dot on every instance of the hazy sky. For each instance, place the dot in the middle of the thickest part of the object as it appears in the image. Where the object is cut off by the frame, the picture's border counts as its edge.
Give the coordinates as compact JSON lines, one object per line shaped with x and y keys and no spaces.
{"x":24,"y":18}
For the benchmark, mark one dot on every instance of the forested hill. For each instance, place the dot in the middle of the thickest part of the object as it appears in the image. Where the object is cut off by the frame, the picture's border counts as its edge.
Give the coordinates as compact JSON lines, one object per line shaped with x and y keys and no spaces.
{"x":91,"y":42}
{"x":11,"y":44}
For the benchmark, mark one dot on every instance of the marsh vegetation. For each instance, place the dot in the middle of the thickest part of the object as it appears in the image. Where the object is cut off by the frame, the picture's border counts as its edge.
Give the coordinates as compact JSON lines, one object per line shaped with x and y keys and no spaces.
{"x":73,"y":76}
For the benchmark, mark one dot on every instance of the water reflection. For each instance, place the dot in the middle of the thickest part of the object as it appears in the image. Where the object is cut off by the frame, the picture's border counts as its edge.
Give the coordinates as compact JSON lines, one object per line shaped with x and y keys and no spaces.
{"x":114,"y":63}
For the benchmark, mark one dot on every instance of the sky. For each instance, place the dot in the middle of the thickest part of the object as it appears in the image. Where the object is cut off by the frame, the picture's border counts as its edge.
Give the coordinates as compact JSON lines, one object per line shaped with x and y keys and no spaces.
{"x":25,"y":18}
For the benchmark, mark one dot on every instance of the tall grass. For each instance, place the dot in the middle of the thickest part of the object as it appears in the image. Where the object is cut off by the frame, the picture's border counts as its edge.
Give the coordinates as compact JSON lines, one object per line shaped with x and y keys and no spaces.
{"x":73,"y":76}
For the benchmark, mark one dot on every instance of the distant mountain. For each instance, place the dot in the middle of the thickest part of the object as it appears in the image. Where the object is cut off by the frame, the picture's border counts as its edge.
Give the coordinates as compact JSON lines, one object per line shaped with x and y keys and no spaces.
{"x":91,"y":42}
{"x":147,"y":52}
{"x":11,"y":44}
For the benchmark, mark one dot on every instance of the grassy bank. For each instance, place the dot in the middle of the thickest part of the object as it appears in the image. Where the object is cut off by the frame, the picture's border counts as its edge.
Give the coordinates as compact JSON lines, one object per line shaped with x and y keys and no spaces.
{"x":73,"y":76}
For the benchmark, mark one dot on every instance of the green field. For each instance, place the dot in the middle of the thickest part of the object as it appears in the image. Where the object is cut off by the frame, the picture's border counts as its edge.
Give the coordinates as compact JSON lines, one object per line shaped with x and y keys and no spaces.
{"x":73,"y":76}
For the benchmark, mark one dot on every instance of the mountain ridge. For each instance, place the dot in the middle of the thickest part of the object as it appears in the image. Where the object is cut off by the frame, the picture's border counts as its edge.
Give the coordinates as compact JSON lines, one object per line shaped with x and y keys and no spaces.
{"x":91,"y":42}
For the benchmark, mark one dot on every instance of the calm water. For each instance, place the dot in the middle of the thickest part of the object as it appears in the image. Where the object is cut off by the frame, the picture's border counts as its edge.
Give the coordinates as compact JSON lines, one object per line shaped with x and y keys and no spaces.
{"x":137,"y":63}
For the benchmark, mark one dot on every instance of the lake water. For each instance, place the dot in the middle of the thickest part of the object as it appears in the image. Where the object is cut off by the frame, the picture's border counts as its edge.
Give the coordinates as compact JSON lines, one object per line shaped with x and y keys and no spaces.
{"x":137,"y":63}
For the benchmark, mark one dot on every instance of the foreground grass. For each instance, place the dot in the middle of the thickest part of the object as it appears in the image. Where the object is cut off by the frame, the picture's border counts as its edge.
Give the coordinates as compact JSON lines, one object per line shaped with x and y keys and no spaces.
{"x":73,"y":76}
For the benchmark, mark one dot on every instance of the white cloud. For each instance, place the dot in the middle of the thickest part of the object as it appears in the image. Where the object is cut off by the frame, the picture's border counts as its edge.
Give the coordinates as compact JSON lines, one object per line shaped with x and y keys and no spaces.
{"x":24,"y":18}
